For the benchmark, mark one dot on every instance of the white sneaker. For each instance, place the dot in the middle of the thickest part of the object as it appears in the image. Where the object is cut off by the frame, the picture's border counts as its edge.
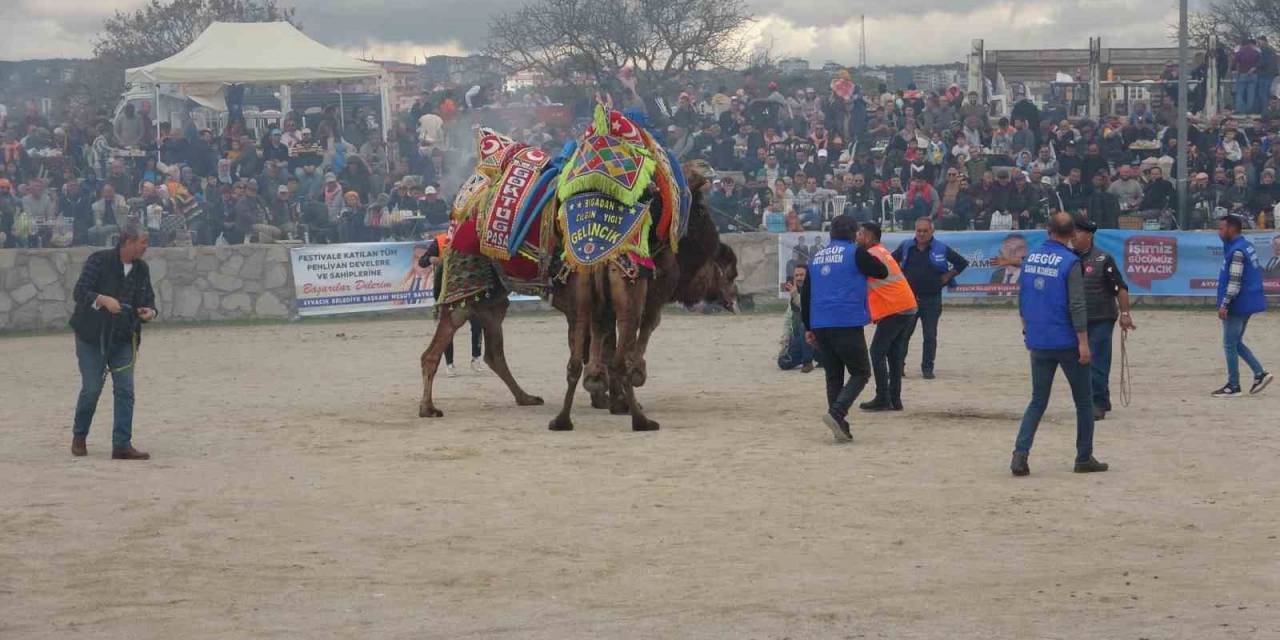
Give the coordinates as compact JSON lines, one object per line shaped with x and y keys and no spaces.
{"x":450,"y":372}
{"x":477,"y":366}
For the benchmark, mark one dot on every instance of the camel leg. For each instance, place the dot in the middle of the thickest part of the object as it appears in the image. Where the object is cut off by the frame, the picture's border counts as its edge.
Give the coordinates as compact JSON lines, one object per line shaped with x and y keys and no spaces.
{"x":628,"y":306}
{"x":656,"y":296}
{"x":449,"y":322}
{"x":601,"y":399}
{"x":579,"y":314}
{"x":648,"y":324}
{"x":491,"y":318}
{"x":617,"y":398}
{"x":592,"y":312}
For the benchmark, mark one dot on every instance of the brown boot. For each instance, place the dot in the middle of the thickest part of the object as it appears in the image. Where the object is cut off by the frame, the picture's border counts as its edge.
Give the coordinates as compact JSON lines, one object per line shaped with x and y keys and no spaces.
{"x":129,"y":453}
{"x":78,"y":447}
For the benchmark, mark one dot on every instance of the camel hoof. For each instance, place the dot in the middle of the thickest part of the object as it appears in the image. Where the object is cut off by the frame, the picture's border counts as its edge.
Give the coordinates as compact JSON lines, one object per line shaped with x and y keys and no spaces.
{"x":560,"y":424}
{"x":430,"y":412}
{"x":619,"y":408}
{"x":595,"y":384}
{"x":599,"y":401}
{"x":529,"y":401}
{"x":644,"y":425}
{"x":639,"y":375}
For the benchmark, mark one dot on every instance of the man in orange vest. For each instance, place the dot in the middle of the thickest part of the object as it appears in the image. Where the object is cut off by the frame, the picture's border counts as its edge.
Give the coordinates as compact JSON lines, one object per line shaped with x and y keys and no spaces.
{"x":893,"y":309}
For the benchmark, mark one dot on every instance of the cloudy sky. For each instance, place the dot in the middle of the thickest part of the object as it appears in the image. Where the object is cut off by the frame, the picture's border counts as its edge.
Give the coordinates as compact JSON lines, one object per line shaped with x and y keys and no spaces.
{"x":899,"y":32}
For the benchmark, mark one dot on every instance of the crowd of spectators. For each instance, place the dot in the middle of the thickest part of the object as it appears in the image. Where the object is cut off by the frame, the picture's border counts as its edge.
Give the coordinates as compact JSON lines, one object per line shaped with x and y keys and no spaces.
{"x":322,"y":178}
{"x":791,"y":158}
{"x":788,"y":156}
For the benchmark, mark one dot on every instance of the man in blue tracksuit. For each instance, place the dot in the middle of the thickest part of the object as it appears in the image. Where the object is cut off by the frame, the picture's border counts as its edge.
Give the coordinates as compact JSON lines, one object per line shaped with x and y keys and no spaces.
{"x":1055,"y":325}
{"x":929,"y":266}
{"x":833,"y":305}
{"x":1240,"y":295}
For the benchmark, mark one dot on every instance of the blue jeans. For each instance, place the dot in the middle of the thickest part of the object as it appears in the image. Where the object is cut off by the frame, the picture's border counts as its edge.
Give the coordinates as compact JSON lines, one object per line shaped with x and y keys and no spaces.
{"x":1246,"y":92}
{"x":928,"y":311}
{"x":798,"y":352}
{"x":1233,"y":344}
{"x":1262,"y":93}
{"x":93,"y":367}
{"x":1044,"y":364}
{"x":1100,"y":338}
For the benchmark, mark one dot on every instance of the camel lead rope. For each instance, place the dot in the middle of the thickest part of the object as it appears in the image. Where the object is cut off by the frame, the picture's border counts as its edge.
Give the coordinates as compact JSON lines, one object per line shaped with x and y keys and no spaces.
{"x":1126,"y":378}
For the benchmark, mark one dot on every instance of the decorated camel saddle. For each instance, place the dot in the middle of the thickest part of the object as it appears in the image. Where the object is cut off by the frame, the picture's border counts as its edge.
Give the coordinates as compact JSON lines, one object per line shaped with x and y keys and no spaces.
{"x":601,"y":194}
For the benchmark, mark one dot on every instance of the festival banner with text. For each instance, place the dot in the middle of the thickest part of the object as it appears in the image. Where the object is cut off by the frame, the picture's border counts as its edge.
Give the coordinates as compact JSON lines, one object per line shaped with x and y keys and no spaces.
{"x":372,"y":276}
{"x":1154,"y":263}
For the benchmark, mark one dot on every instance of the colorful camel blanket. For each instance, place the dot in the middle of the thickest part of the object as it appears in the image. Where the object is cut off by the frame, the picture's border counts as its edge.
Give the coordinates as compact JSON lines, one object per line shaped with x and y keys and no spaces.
{"x":597,"y":228}
{"x":512,"y":200}
{"x":612,"y":159}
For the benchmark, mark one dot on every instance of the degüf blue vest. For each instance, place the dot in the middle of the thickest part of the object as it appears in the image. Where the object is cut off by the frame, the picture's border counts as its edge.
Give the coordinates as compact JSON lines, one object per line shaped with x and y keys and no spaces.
{"x":1251,"y":298}
{"x":1043,"y":299}
{"x":837,"y":289}
{"x":937,"y":254}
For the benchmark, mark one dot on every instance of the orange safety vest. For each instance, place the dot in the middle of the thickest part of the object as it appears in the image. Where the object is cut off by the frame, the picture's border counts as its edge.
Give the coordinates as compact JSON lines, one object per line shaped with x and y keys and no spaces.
{"x":892,"y":295}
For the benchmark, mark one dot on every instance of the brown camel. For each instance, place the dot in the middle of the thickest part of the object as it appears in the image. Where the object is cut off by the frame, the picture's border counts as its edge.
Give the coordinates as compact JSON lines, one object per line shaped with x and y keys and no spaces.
{"x":612,"y":316}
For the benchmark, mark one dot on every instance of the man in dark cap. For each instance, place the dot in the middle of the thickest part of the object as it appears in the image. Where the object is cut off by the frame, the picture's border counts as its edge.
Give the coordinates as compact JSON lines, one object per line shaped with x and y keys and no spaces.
{"x":1104,"y":287}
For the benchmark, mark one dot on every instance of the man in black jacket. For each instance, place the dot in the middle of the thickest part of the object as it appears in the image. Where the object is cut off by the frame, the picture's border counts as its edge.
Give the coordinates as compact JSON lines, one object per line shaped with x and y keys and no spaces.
{"x":1102,"y":207}
{"x":113,"y":298}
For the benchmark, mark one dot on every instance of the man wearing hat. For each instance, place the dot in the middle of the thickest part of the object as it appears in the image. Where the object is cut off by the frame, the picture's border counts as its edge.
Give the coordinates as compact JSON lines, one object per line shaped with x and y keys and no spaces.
{"x":274,"y":148}
{"x":433,"y":208}
{"x":1104,"y":287}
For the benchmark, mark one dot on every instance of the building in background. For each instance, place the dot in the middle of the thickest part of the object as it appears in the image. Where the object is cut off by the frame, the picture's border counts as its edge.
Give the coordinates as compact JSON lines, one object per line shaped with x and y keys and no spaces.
{"x":793,"y":65}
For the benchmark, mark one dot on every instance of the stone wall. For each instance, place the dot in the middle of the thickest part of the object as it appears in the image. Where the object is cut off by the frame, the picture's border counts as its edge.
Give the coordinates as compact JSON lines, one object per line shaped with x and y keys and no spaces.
{"x":253,"y":281}
{"x":192,"y":283}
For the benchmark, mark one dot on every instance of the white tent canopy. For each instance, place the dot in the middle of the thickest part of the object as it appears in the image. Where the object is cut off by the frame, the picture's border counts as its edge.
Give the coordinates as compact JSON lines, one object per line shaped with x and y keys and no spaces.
{"x":252,"y":52}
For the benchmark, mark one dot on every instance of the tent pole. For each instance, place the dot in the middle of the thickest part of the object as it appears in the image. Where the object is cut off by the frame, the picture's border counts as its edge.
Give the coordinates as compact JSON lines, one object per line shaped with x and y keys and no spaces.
{"x":385,"y":90}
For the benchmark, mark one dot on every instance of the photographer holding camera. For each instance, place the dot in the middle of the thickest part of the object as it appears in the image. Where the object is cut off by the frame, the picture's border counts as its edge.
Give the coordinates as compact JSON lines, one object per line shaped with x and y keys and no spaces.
{"x":113,"y":298}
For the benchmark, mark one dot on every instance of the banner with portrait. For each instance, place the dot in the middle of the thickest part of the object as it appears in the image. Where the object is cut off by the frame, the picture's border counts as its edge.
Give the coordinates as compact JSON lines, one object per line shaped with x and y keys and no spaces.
{"x":1154,"y":263}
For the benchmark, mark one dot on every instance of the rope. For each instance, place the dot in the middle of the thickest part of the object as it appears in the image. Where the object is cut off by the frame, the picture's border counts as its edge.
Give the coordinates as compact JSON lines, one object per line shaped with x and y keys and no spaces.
{"x":1126,"y":378}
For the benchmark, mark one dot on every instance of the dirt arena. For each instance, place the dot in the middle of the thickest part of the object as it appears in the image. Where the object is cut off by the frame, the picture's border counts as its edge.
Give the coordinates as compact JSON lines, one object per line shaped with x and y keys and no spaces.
{"x":294,"y":493}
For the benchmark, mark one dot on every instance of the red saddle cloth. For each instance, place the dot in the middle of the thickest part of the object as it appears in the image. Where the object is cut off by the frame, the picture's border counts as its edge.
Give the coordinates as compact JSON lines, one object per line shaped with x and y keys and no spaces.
{"x":466,"y":239}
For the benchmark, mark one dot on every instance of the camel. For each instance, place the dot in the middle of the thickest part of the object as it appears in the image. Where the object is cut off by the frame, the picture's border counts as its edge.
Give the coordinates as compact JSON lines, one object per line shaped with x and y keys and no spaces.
{"x":703,"y":271}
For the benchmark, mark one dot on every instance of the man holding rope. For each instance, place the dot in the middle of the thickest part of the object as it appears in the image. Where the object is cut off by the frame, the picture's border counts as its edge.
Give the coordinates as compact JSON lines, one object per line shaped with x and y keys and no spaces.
{"x":1103,"y":288}
{"x":113,"y":298}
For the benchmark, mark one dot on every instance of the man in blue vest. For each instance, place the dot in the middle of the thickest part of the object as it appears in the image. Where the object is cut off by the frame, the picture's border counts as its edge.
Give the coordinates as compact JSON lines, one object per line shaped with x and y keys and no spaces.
{"x":1240,"y":295}
{"x":1055,"y":323}
{"x":833,"y":305}
{"x":929,"y":266}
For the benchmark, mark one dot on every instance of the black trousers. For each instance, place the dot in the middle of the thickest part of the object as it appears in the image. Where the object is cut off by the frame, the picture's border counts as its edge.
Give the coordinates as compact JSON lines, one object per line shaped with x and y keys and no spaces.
{"x":889,"y":354}
{"x":928,"y":311}
{"x":476,"y":334}
{"x":843,"y":349}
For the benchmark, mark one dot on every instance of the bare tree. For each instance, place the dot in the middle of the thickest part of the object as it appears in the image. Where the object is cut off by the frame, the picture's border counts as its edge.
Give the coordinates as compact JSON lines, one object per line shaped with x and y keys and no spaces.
{"x":1232,"y":20}
{"x":660,"y":39}
{"x":162,"y":28}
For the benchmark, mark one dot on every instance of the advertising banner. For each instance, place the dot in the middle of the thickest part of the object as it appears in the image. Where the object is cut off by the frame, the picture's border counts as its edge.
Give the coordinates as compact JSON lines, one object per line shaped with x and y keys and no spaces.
{"x":1154,"y":263}
{"x":369,"y":276}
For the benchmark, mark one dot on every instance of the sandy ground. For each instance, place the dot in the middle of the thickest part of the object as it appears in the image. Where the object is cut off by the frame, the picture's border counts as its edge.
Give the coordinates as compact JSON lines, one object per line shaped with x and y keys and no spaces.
{"x":295,"y":494}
